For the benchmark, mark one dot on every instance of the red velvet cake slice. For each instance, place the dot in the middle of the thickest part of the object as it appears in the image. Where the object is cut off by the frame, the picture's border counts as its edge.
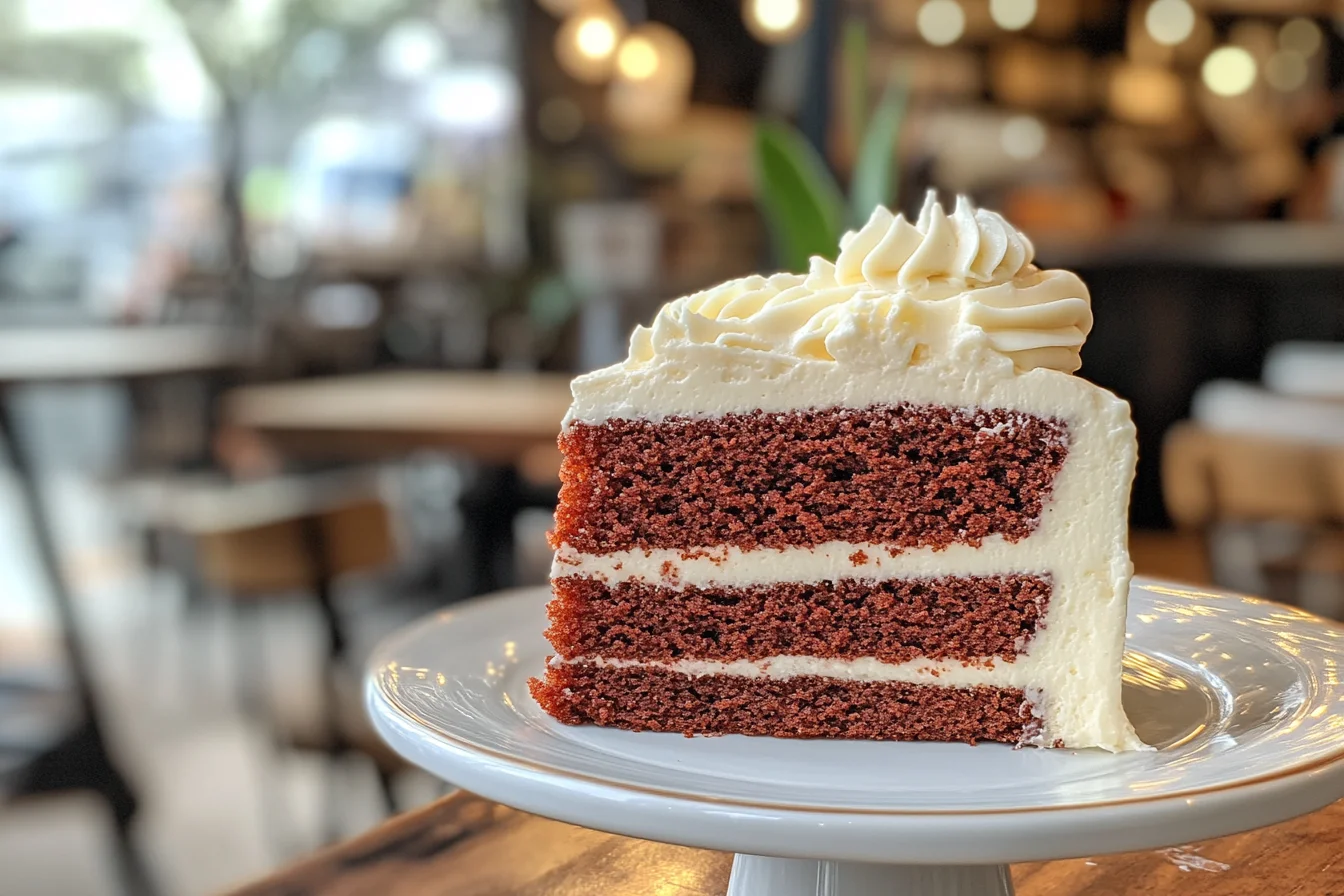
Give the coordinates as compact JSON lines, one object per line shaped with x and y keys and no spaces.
{"x":871,"y":501}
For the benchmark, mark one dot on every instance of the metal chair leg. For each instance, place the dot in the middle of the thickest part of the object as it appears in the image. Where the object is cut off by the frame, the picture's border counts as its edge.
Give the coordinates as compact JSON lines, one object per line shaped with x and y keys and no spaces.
{"x":81,"y":761}
{"x":387,"y":786}
{"x":135,"y":876}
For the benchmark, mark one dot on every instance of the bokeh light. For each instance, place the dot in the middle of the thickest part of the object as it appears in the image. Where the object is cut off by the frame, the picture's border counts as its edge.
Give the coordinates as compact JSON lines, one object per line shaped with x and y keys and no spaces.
{"x":586,"y":43}
{"x":776,"y":21}
{"x":1023,"y":137}
{"x":1286,"y":70}
{"x":1170,"y":22}
{"x":1229,"y":71}
{"x":1301,"y":36}
{"x":941,"y":22}
{"x":1012,"y":15}
{"x":637,"y":58}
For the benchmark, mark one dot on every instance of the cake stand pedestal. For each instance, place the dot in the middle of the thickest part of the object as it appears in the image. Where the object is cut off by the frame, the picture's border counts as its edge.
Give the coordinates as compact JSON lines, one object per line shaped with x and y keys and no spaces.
{"x":764,"y":876}
{"x":1239,"y":696}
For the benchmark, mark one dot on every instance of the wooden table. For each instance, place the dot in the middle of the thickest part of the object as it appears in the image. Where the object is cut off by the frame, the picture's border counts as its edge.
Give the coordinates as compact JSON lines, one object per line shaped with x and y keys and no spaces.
{"x":65,"y":354}
{"x":466,"y":846}
{"x":493,"y":417}
{"x":507,"y":422}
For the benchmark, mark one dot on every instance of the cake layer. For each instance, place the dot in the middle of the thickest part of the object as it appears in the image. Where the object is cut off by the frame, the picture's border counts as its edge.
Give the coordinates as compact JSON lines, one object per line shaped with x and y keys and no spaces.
{"x":644,"y":698}
{"x":896,"y":620}
{"x":905,"y":476}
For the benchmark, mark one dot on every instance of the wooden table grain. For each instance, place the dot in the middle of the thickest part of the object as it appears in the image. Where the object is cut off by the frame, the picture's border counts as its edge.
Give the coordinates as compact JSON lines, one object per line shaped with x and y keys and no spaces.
{"x":466,"y":846}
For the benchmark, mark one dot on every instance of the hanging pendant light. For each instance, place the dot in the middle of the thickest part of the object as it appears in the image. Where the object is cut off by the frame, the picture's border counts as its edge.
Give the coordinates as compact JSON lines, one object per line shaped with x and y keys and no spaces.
{"x":652,"y":81}
{"x":586,"y":43}
{"x":776,"y":21}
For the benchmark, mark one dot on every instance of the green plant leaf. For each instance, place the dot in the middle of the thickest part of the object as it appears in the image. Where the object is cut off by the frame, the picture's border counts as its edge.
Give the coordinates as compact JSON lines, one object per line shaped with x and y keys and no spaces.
{"x":876,"y":171}
{"x":803,"y":205}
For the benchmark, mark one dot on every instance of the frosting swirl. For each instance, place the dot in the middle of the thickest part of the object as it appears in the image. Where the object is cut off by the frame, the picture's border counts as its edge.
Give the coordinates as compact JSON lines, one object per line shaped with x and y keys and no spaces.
{"x":971,"y":245}
{"x":898,"y":293}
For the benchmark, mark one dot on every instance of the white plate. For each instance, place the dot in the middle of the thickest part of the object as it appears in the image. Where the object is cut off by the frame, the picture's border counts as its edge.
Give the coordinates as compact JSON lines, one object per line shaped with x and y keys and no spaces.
{"x":1242,"y":697}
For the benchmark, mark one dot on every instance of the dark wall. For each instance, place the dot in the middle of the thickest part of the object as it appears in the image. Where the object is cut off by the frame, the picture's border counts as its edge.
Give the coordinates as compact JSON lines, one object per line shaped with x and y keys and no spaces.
{"x":1162,"y":330}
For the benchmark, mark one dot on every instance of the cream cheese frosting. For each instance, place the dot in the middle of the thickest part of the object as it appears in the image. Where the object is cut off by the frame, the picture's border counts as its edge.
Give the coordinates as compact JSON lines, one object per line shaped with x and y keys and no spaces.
{"x":899,"y":293}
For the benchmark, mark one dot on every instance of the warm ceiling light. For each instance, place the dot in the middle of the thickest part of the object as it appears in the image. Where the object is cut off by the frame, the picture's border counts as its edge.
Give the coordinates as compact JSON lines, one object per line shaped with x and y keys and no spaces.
{"x":595,"y":38}
{"x":1286,"y":70}
{"x":637,"y":58}
{"x":1301,"y":36}
{"x":654,"y":71}
{"x":941,"y":22}
{"x":776,"y":21}
{"x":586,"y":43}
{"x":1229,"y":71}
{"x":1012,"y":15}
{"x":657,"y":55}
{"x":1023,"y":137}
{"x":1170,"y":22}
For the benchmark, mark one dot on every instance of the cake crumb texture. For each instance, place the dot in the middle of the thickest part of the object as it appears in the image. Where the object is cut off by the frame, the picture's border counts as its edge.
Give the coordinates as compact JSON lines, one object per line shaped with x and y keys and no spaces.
{"x":655,"y":699}
{"x":905,"y":476}
{"x":897,"y":620}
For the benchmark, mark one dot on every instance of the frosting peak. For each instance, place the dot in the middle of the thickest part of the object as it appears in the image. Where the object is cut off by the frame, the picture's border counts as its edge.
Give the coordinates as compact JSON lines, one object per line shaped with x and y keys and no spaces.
{"x":959,"y":289}
{"x":973,"y":246}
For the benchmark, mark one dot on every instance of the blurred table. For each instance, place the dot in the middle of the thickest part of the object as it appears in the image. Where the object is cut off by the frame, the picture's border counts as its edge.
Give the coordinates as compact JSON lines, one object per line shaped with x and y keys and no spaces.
{"x":493,"y":417}
{"x":503,"y":421}
{"x":1229,"y":406}
{"x":45,"y":354}
{"x":1307,"y":369}
{"x":468,"y":846}
{"x":79,"y":758}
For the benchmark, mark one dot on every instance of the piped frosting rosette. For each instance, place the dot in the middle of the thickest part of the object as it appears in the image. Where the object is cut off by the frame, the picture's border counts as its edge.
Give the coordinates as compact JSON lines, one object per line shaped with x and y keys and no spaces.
{"x":900,"y":291}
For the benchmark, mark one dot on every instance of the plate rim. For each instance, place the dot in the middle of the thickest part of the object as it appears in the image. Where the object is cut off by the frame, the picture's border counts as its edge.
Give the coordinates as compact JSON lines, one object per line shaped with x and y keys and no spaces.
{"x":376,"y":698}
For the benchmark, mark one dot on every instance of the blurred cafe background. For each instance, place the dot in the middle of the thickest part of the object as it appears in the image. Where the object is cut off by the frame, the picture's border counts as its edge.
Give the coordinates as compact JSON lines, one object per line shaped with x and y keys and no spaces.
{"x":291,"y":290}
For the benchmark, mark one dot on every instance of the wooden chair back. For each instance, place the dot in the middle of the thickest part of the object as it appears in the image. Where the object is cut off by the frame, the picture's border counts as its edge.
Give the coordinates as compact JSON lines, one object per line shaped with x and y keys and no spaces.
{"x":1270,"y":511}
{"x":282,"y":555}
{"x":1210,"y":477}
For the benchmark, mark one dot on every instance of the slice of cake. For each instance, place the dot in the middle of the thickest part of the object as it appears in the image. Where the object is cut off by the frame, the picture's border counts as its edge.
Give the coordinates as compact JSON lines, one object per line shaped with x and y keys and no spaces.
{"x":871,"y":501}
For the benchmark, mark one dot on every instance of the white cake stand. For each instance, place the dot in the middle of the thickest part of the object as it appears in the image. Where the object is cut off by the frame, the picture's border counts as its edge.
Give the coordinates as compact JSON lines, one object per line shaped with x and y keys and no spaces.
{"x":1242,"y":697}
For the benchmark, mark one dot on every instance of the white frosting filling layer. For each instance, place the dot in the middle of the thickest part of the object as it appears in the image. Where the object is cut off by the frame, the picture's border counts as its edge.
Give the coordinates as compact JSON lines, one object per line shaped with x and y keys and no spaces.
{"x":995,"y":672}
{"x":732,"y":567}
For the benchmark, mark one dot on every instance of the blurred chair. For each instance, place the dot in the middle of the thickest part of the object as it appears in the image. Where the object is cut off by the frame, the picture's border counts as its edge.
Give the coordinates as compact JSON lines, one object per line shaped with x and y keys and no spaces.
{"x":257,"y":543}
{"x":1269,"y":509}
{"x":1236,"y":407}
{"x":1306,"y":369}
